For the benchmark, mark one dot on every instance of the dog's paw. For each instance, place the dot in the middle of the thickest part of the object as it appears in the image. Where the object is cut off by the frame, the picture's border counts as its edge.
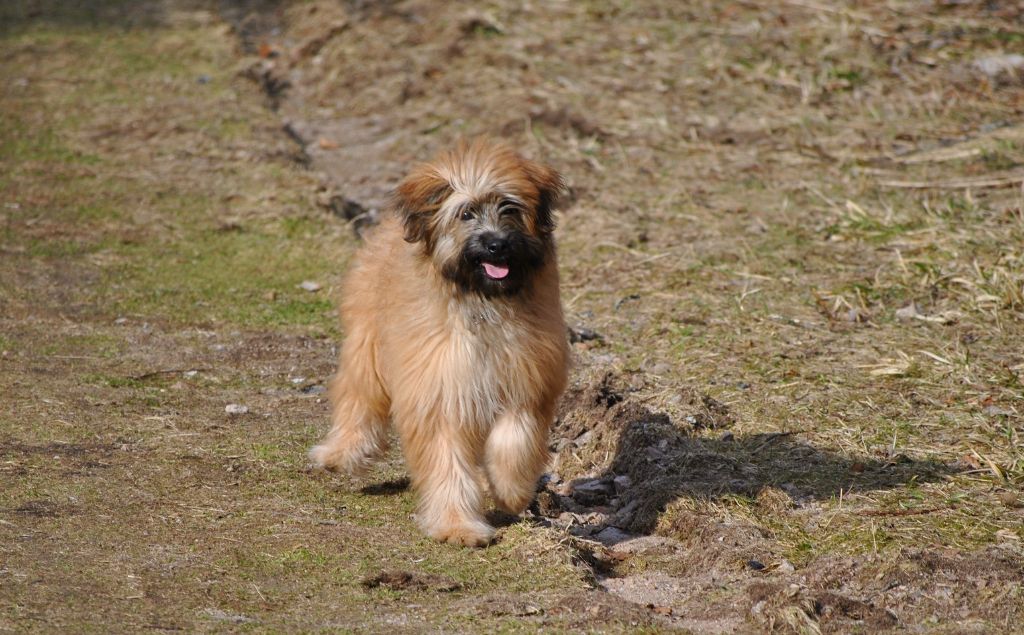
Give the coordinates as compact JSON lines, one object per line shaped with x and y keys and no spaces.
{"x":478,"y":534}
{"x":320,"y":458}
{"x":333,"y":459}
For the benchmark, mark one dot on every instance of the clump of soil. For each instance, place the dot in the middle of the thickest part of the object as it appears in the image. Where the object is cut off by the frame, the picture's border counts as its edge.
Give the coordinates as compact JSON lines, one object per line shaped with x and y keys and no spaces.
{"x":411,"y":580}
{"x":707,"y":412}
{"x":587,"y":608}
{"x":654,"y":460}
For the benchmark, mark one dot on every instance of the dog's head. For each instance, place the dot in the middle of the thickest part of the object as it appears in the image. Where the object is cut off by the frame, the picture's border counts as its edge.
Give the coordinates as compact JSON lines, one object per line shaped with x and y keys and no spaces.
{"x":483,"y":214}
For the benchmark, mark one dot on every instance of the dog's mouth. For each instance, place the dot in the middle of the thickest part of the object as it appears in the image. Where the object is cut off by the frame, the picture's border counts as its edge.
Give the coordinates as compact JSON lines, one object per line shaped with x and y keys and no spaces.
{"x":495,"y":271}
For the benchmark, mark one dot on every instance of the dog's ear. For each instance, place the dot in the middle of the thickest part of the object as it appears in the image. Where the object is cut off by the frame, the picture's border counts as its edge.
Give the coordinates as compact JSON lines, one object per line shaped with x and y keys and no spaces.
{"x":550,"y":189}
{"x":417,"y":198}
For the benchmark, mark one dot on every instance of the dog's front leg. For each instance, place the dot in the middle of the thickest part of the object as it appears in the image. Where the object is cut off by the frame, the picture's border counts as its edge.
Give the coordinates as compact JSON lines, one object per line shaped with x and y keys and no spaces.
{"x":516,"y":453}
{"x":444,"y":473}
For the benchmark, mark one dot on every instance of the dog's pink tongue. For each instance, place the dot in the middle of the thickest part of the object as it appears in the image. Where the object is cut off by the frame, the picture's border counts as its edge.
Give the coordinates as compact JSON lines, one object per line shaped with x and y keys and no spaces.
{"x":495,"y":271}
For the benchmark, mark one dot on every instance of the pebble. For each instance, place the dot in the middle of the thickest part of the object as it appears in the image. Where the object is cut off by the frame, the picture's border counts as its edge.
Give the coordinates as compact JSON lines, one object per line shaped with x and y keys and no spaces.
{"x":612,"y":535}
{"x":592,"y":486}
{"x":908,"y":312}
{"x":236,"y":409}
{"x":647,"y":544}
{"x":309,"y":285}
{"x":622,"y":482}
{"x":997,"y":64}
{"x":1009,"y":499}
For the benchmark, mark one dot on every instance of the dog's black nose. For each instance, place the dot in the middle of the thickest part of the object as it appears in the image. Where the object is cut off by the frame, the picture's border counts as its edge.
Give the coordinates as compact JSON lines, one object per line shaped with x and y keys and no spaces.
{"x":496,"y":245}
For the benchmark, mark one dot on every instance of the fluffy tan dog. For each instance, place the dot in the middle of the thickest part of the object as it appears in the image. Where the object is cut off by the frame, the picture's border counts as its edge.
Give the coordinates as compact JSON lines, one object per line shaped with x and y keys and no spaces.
{"x":454,"y":332}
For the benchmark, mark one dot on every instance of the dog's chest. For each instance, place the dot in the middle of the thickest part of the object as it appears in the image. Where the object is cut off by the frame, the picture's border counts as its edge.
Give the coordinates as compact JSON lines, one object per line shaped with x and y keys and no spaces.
{"x":493,"y":361}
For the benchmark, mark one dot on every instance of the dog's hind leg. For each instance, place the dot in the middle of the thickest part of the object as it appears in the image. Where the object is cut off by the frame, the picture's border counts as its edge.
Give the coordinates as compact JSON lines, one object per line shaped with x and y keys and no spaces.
{"x":515,"y":456}
{"x":359,"y":415}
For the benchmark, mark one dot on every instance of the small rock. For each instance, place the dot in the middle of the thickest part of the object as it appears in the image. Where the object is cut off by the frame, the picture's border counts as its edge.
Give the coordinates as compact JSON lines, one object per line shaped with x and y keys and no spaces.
{"x":344,"y":207}
{"x":661,"y":369}
{"x":996,"y":65}
{"x":786,"y":567}
{"x":593,"y":485}
{"x":592,"y":492}
{"x":309,"y":285}
{"x":856,"y":315}
{"x":315,"y":389}
{"x":551,"y":478}
{"x":224,"y":616}
{"x":757,"y":227}
{"x":203,"y":79}
{"x":648,"y":544}
{"x":908,"y":312}
{"x":121,"y":320}
{"x":756,"y":565}
{"x":583,"y":439}
{"x":189,"y":374}
{"x":580,"y":334}
{"x":654,"y":454}
{"x":612,"y":535}
{"x":298,"y":380}
{"x":996,"y":411}
{"x":624,"y":516}
{"x":359,"y":216}
{"x":236,"y":409}
{"x":622,"y":482}
{"x":1009,"y":499}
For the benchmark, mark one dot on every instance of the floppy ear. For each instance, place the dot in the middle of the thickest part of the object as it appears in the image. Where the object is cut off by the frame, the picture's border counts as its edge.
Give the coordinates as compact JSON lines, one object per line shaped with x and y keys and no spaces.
{"x":550,"y":188}
{"x":417,"y":198}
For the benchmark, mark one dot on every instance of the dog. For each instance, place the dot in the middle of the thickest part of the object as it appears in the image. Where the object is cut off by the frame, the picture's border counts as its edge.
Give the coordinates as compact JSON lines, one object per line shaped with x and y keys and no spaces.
{"x":454,"y":334}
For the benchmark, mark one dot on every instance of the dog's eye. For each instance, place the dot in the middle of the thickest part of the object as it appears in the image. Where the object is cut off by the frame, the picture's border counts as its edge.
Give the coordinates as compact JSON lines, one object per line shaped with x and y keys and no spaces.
{"x":467,"y":214}
{"x":508,"y":208}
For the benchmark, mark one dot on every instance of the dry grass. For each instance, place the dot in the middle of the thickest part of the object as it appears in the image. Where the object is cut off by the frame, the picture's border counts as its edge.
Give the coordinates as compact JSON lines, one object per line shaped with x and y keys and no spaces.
{"x":809,"y":213}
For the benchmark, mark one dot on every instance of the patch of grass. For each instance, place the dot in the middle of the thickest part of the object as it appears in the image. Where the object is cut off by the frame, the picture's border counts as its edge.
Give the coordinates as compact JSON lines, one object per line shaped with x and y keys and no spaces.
{"x":248,"y":277}
{"x":24,"y":144}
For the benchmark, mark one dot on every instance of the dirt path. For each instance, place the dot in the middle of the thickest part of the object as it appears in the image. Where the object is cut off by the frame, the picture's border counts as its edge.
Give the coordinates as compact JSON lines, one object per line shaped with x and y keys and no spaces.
{"x":796,"y":401}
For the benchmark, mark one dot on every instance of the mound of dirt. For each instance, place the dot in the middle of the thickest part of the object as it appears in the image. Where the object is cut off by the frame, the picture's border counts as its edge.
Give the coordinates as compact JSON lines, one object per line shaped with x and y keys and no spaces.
{"x":583,"y":610}
{"x":654,"y":460}
{"x":411,"y":580}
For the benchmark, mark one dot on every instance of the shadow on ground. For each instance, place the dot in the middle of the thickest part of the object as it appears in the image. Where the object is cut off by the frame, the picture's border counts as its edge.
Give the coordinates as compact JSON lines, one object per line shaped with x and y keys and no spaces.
{"x":656,"y":462}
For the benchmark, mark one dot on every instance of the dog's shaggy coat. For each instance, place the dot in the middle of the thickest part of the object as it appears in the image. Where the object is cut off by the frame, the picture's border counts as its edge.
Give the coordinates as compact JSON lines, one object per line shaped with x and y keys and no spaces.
{"x":454,"y":332}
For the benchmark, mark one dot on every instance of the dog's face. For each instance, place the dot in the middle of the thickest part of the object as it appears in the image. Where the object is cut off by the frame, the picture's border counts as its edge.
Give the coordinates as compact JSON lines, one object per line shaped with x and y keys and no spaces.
{"x":483,"y":215}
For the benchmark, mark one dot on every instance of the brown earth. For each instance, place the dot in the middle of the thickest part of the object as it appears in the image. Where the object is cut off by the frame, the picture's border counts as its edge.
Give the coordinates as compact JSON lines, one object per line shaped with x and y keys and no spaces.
{"x":792,"y":261}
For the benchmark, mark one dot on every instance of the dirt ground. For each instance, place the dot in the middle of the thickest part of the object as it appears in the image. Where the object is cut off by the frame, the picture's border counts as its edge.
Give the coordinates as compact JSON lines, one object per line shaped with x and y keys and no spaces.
{"x":792,"y":260}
